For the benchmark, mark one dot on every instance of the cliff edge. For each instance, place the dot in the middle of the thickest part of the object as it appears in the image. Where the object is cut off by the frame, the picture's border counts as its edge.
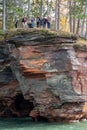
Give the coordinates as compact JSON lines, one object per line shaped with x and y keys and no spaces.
{"x":45,"y":72}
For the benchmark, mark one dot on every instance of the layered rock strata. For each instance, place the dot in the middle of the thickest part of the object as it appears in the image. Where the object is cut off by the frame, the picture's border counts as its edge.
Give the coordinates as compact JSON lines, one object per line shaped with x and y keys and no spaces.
{"x":43,"y":72}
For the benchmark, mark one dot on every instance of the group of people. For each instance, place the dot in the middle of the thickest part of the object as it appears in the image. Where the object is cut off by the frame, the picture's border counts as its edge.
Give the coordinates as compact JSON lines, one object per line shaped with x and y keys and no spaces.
{"x":43,"y":22}
{"x":40,"y":22}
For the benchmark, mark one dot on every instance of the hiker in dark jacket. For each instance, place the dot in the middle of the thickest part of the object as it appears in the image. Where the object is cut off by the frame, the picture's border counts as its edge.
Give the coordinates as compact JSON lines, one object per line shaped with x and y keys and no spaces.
{"x":38,"y":22}
{"x":16,"y":22}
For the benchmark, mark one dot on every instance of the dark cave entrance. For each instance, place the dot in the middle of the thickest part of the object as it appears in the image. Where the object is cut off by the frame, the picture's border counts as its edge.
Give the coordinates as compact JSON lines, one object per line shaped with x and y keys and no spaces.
{"x":22,"y":106}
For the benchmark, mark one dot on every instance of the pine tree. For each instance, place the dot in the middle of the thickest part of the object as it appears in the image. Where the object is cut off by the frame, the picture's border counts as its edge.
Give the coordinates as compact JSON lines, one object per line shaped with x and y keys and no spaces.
{"x":4,"y":15}
{"x":57,"y":15}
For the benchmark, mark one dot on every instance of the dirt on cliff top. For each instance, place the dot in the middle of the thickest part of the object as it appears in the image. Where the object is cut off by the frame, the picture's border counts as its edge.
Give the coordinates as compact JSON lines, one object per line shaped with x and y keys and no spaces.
{"x":43,"y":32}
{"x":18,"y":36}
{"x":38,"y":37}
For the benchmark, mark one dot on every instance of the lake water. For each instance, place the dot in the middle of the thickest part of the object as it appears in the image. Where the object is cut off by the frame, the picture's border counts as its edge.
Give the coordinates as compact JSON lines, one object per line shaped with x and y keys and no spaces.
{"x":26,"y":124}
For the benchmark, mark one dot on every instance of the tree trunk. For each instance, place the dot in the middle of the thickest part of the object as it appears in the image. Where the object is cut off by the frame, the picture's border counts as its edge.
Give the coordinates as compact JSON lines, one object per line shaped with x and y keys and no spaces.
{"x":78,"y":26}
{"x":74,"y":25}
{"x":29,"y":9}
{"x":1,"y":13}
{"x":82,"y":28}
{"x":47,"y":8}
{"x":57,"y":15}
{"x":74,"y":19}
{"x":4,"y":15}
{"x":86,"y":19}
{"x":70,"y":17}
{"x":21,"y":3}
{"x":82,"y":32}
{"x":41,"y":8}
{"x":15,"y":3}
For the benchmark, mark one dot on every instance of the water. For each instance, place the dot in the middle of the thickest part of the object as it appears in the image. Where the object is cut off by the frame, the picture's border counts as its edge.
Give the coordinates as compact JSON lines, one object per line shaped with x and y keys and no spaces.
{"x":26,"y":124}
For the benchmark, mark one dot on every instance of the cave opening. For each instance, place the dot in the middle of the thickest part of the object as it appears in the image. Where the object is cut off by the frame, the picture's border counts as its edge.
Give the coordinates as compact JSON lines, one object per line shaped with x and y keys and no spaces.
{"x":42,"y":119}
{"x":23,"y":106}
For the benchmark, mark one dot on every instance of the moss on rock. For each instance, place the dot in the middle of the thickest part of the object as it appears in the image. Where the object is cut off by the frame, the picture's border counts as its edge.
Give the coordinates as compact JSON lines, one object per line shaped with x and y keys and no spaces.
{"x":43,"y":32}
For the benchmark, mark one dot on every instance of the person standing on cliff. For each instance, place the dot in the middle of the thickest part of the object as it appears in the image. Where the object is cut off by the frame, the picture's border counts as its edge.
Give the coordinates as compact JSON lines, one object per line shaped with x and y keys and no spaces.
{"x":32,"y":21}
{"x":16,"y":22}
{"x":38,"y":21}
{"x":48,"y":22}
{"x":24,"y":22}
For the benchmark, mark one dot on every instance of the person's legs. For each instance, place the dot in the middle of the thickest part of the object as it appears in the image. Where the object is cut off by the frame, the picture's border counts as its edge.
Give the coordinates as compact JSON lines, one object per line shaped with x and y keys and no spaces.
{"x":16,"y":25}
{"x":32,"y":24}
{"x":48,"y":24}
{"x":22,"y":24}
{"x":37,"y":24}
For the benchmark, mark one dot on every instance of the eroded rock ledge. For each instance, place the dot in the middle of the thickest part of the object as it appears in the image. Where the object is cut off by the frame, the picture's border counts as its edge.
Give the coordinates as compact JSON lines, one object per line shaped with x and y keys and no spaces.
{"x":43,"y":74}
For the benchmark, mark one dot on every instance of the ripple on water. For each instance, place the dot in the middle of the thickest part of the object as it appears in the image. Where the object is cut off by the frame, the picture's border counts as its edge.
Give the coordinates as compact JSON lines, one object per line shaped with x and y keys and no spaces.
{"x":26,"y":124}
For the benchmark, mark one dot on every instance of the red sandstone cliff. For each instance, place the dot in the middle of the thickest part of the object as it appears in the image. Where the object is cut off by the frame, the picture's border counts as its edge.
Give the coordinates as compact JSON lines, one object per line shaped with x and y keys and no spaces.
{"x":45,"y":72}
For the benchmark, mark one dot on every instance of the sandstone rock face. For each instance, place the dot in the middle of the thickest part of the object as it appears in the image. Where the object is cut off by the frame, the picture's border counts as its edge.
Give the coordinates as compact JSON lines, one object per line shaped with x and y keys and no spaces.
{"x":43,"y":73}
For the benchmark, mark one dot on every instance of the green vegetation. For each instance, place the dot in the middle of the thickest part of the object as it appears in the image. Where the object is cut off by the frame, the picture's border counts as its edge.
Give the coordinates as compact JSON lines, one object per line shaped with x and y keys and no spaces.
{"x":1,"y":35}
{"x":46,"y":33}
